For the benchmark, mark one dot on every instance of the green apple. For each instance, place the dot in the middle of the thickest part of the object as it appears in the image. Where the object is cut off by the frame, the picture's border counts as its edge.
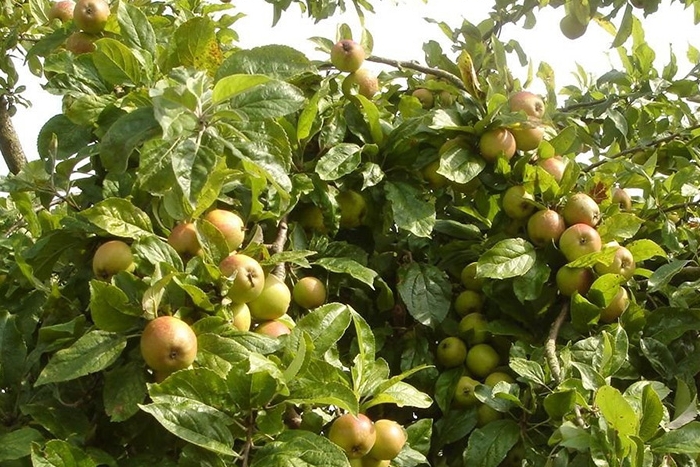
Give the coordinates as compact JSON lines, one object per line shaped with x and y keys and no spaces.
{"x":473,"y":329}
{"x":230,"y":225}
{"x":445,"y":98}
{"x":61,"y":10}
{"x":310,"y":218}
{"x":112,"y":257}
{"x":354,"y":434}
{"x":545,"y":227}
{"x":273,"y":301}
{"x":273,"y":328}
{"x":571,"y":27}
{"x":486,"y":414}
{"x":425,"y":97}
{"x":496,"y":143}
{"x":309,"y":292}
{"x":516,"y":203}
{"x":579,"y":240}
{"x":616,"y":307}
{"x":554,"y":166}
{"x":482,"y":359}
{"x":581,"y":209}
{"x":168,"y":344}
{"x":528,"y":102}
{"x":353,"y":209}
{"x":362,"y":82}
{"x":464,"y":395}
{"x":623,"y":264}
{"x":434,"y":179}
{"x":368,"y":461}
{"x":468,"y":301}
{"x":183,"y":239}
{"x":496,"y":377}
{"x":247,"y":278}
{"x":240,"y":316}
{"x":347,"y":55}
{"x":391,"y":438}
{"x":451,"y":352}
{"x":572,"y":280}
{"x":81,"y":43}
{"x":91,"y":15}
{"x":622,"y":198}
{"x":469,"y":279}
{"x":528,"y":135}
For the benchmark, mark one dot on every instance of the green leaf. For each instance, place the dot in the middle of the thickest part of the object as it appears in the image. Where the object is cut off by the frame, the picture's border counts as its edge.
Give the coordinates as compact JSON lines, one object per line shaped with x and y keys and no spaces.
{"x":17,"y":444}
{"x":300,"y":448}
{"x":583,"y":312}
{"x":276,"y":61}
{"x":199,"y":384}
{"x":531,"y":371}
{"x":233,"y":85}
{"x":453,"y":425}
{"x":268,"y":100}
{"x":426,"y":291}
{"x":559,"y":403}
{"x":528,"y":287}
{"x":617,"y":411}
{"x":488,"y":446}
{"x":195,"y":45}
{"x":59,"y":453}
{"x":409,"y":210}
{"x":13,"y":351}
{"x":116,"y":63}
{"x":304,"y":391}
{"x":93,"y":352}
{"x":350,"y":267}
{"x":508,"y":258}
{"x":118,"y":217}
{"x":460,"y":164}
{"x":620,"y":226}
{"x":70,"y":137}
{"x":652,"y":413}
{"x":401,"y":394}
{"x":325,"y":326}
{"x":644,"y":249}
{"x":110,"y":308}
{"x":125,"y":135}
{"x":123,"y":391}
{"x":625,"y":29}
{"x":134,"y":27}
{"x":685,"y":440}
{"x":340,"y":160}
{"x":664,"y":274}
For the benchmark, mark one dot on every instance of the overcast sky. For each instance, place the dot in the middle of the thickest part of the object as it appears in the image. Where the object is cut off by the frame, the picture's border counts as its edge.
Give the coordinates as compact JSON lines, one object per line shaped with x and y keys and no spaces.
{"x":399,"y":30}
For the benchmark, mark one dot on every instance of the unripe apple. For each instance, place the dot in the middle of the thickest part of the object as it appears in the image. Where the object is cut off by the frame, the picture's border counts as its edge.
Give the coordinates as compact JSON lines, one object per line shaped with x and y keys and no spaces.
{"x":469,"y":279}
{"x":579,"y":240}
{"x":347,"y":55}
{"x":309,"y":292}
{"x":451,"y":352}
{"x":248,"y":278}
{"x":230,"y":225}
{"x":495,"y":143}
{"x":61,"y":10}
{"x":623,"y":264}
{"x":353,"y":209}
{"x":240,"y":316}
{"x":464,"y":396}
{"x":482,"y":359}
{"x":183,"y":239}
{"x":621,"y":197}
{"x":473,"y":329}
{"x":91,"y":15}
{"x":496,"y":377}
{"x":168,"y":344}
{"x":273,"y":328}
{"x":571,"y":27}
{"x":545,"y":227}
{"x":273,"y":302}
{"x":581,"y":209}
{"x":354,"y":434}
{"x":468,"y":301}
{"x":362,"y":81}
{"x":425,"y":97}
{"x":572,"y":280}
{"x":516,"y":203}
{"x":81,"y":43}
{"x":391,"y":437}
{"x":434,"y":179}
{"x":528,"y":102}
{"x":445,"y":98}
{"x":555,"y":166}
{"x":310,"y":217}
{"x":486,"y":414}
{"x":528,"y":135}
{"x":112,"y":257}
{"x":616,"y":307}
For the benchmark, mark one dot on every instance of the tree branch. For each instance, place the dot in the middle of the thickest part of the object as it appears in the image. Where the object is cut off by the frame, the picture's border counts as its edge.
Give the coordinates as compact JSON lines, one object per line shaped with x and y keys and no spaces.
{"x":10,"y":146}
{"x":411,"y":65}
{"x":278,"y":247}
{"x":550,"y":346}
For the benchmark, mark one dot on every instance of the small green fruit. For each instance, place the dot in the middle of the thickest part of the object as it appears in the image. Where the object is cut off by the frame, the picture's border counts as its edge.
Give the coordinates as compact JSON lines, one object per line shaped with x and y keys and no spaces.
{"x":482,"y":359}
{"x":451,"y":352}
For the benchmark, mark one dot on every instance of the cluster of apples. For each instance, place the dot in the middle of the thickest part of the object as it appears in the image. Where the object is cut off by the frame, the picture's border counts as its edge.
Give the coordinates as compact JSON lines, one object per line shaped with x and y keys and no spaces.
{"x":367,"y":443}
{"x":89,"y":16}
{"x":348,"y":56}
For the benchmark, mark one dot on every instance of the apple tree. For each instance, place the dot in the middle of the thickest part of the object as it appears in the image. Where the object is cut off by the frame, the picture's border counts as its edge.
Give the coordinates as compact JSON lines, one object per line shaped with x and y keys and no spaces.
{"x":248,"y":257}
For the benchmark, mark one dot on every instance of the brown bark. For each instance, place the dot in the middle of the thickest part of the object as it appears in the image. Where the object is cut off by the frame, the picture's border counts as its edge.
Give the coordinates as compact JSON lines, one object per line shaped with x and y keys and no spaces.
{"x":10,"y":146}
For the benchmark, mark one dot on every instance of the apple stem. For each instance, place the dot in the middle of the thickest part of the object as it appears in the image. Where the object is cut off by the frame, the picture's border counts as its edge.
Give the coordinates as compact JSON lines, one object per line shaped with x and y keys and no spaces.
{"x":278,"y":247}
{"x":418,"y":67}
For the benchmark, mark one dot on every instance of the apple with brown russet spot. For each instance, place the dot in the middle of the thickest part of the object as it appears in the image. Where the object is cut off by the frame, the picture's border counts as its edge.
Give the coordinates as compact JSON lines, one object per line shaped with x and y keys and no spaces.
{"x":347,"y":55}
{"x":61,"y":10}
{"x":362,"y":82}
{"x":579,"y":240}
{"x":517,"y":203}
{"x":354,"y":434}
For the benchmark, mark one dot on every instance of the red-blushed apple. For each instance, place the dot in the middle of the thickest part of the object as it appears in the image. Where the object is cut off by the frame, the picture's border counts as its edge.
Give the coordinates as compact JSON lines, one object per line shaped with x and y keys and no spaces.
{"x":473,"y":329}
{"x":112,"y":257}
{"x":347,"y":55}
{"x":362,"y":82}
{"x":247,"y":277}
{"x":309,"y":292}
{"x":273,"y":302}
{"x":468,"y":301}
{"x":81,"y":43}
{"x":91,"y":15}
{"x":528,"y":102}
{"x":623,"y":263}
{"x":482,"y":359}
{"x":469,"y":279}
{"x":579,"y":240}
{"x":183,"y":239}
{"x":451,"y":352}
{"x":354,"y":434}
{"x":581,"y":209}
{"x":622,"y":198}
{"x":516,"y":203}
{"x":528,"y":135}
{"x":571,"y":280}
{"x":61,"y":10}
{"x":230,"y":225}
{"x":496,"y":143}
{"x":353,"y":209}
{"x":464,"y":395}
{"x":545,"y":227}
{"x":168,"y":344}
{"x":554,"y":166}
{"x":426,"y":98}
{"x":391,"y":437}
{"x":616,"y":307}
{"x":273,"y":328}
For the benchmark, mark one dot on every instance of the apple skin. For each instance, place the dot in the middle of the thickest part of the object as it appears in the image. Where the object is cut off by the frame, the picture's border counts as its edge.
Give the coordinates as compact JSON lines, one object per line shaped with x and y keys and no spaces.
{"x":528,"y":137}
{"x":309,"y":292}
{"x":362,"y":81}
{"x":581,"y":209}
{"x":622,"y":198}
{"x":168,"y":344}
{"x":616,"y":307}
{"x":468,"y":301}
{"x":495,"y":143}
{"x":515,"y":203}
{"x":496,"y":377}
{"x":545,"y":227}
{"x":464,"y":396}
{"x":451,"y":352}
{"x":425,"y":97}
{"x":183,"y":238}
{"x":91,"y":15}
{"x":555,"y":166}
{"x":482,"y":359}
{"x":434,"y":179}
{"x":353,"y":209}
{"x":230,"y":225}
{"x":240,"y":316}
{"x":579,"y":240}
{"x":472,"y":328}
{"x":250,"y":278}
{"x":469,"y":279}
{"x":112,"y":257}
{"x":371,"y":462}
{"x":80,"y":43}
{"x":61,"y":10}
{"x":391,"y":438}
{"x":354,"y":434}
{"x":486,"y":414}
{"x":273,"y":328}
{"x":310,"y":218}
{"x":571,"y":27}
{"x":623,"y":263}
{"x":273,"y":302}
{"x":572,"y":280}
{"x":347,"y":55}
{"x":528,"y":102}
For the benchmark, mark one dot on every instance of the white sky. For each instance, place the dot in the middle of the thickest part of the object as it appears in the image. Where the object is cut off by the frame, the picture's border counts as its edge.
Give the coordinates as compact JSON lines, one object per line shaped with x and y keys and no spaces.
{"x":399,"y":30}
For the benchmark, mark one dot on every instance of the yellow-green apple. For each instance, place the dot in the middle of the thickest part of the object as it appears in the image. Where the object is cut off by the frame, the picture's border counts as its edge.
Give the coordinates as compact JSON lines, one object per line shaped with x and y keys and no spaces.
{"x":616,"y":307}
{"x":621,"y":197}
{"x":468,"y":301}
{"x":81,"y":43}
{"x":347,"y":55}
{"x":247,"y":277}
{"x":309,"y":292}
{"x":473,"y":328}
{"x":554,"y":166}
{"x":240,"y":316}
{"x":528,"y":135}
{"x":516,"y":203}
{"x":168,"y":344}
{"x":469,"y":279}
{"x":571,"y":280}
{"x":368,"y":461}
{"x":273,"y":301}
{"x":426,"y":98}
{"x":362,"y":81}
{"x":496,"y":143}
{"x":230,"y":225}
{"x":464,"y":395}
{"x":451,"y":352}
{"x":579,"y":240}
{"x":61,"y":10}
{"x":434,"y":179}
{"x":354,"y":434}
{"x":528,"y":102}
{"x":391,"y":437}
{"x":581,"y":209}
{"x":112,"y":257}
{"x":91,"y":15}
{"x":623,"y":263}
{"x":571,"y":27}
{"x":183,"y":239}
{"x":482,"y":359}
{"x":445,"y":98}
{"x":353,"y":208}
{"x":310,"y":217}
{"x":545,"y":227}
{"x":273,"y":328}
{"x":486,"y":414}
{"x":496,"y":377}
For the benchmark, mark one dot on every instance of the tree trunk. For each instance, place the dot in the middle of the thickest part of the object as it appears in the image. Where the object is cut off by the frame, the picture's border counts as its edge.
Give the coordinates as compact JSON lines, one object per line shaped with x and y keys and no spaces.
{"x":10,"y":146}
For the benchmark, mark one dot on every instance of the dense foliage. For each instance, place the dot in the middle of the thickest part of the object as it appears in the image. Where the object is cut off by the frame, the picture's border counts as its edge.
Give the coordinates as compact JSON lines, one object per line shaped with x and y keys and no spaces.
{"x":386,"y":199}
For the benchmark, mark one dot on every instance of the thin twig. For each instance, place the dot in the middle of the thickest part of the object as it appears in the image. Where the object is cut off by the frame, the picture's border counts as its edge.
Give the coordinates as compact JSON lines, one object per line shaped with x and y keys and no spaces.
{"x":278,"y":247}
{"x":550,"y":346}
{"x":411,"y":65}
